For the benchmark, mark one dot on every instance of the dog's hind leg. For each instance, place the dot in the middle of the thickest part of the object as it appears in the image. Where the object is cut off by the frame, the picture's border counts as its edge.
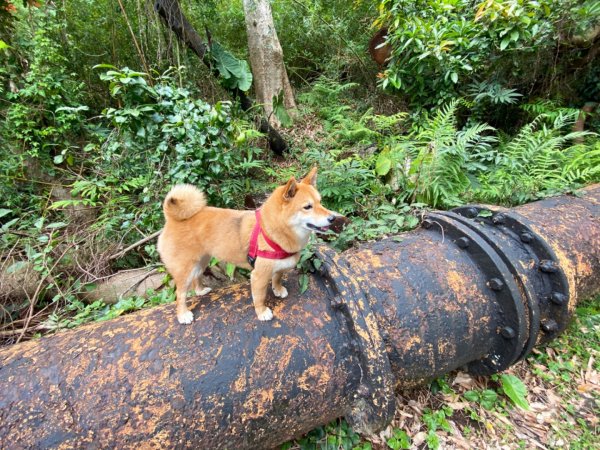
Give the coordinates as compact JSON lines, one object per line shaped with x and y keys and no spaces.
{"x":278,"y":289}
{"x":197,"y":274}
{"x":183,"y":275}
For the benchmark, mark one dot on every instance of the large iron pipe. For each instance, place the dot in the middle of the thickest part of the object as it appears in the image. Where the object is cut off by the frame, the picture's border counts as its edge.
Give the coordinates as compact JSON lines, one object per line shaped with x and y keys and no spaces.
{"x":473,"y":288}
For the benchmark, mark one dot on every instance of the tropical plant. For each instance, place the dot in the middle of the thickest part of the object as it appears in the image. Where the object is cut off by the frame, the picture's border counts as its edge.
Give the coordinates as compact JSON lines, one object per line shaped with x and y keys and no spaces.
{"x":540,"y":160}
{"x":440,"y":47}
{"x":160,"y":135}
{"x":434,"y":164}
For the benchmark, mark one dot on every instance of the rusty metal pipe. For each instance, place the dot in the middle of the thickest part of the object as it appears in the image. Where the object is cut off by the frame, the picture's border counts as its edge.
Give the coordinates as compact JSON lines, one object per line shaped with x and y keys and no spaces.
{"x":475,"y":288}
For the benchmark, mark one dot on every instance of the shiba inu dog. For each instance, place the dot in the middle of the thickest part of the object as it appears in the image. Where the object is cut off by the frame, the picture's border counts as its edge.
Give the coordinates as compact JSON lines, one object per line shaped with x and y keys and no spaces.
{"x":268,"y":240}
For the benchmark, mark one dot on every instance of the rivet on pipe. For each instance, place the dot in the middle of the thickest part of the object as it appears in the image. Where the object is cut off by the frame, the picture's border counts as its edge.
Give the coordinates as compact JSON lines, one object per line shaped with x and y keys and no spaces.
{"x":496,"y":284}
{"x":549,"y":326}
{"x":471,"y":213}
{"x":463,"y":242}
{"x":548,"y":266}
{"x":526,"y":237}
{"x":557,"y":298}
{"x":498,"y":219}
{"x":508,"y":332}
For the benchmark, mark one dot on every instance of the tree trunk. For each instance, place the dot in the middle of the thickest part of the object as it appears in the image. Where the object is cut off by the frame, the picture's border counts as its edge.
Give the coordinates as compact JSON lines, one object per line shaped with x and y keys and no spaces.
{"x":174,"y":18}
{"x":266,"y":58}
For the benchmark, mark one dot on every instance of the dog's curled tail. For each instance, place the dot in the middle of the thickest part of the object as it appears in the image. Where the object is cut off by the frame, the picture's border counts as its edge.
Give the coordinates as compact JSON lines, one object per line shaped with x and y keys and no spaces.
{"x":183,"y":201}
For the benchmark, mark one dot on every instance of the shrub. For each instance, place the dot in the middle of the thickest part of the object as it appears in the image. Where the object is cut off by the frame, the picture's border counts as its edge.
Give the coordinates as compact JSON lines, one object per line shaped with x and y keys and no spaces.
{"x":441,"y":48}
{"x":159,"y":135}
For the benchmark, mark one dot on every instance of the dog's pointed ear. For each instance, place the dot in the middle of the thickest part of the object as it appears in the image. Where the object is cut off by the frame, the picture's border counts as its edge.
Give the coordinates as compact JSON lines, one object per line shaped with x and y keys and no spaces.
{"x":311,"y":178}
{"x":290,"y":189}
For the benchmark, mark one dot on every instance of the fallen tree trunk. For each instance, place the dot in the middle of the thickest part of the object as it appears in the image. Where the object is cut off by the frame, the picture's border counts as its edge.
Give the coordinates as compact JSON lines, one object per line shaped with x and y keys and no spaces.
{"x":467,"y":290}
{"x":127,"y":283}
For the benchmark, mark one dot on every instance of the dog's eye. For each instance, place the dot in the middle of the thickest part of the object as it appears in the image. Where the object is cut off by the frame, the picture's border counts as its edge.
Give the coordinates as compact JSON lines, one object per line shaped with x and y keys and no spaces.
{"x":307,"y":207}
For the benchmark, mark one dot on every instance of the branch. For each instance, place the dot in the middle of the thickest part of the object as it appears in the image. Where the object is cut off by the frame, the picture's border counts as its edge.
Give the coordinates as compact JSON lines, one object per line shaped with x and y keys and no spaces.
{"x":132,"y":246}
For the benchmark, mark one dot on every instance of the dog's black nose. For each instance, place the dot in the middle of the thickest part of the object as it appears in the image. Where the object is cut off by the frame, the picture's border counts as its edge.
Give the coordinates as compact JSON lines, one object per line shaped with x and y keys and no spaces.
{"x":331,"y":219}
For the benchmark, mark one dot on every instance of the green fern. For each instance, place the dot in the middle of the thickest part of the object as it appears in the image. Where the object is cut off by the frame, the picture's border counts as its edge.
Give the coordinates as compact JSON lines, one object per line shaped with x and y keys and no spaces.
{"x":432,"y":165}
{"x":540,"y":160}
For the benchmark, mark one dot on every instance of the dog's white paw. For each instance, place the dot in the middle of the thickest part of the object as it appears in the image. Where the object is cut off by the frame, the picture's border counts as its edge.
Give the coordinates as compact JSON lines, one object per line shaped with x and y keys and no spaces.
{"x":186,"y":318}
{"x":267,"y":314}
{"x":281,"y":293}
{"x":204,"y":291}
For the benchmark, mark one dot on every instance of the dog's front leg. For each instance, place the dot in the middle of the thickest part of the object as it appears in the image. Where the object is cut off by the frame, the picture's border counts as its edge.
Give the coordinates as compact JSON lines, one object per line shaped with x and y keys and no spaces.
{"x":259,"y":281}
{"x":278,"y":289}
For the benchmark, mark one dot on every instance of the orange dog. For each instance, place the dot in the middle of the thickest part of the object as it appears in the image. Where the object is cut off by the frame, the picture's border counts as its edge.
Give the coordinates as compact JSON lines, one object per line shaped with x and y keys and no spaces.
{"x":195,"y":232}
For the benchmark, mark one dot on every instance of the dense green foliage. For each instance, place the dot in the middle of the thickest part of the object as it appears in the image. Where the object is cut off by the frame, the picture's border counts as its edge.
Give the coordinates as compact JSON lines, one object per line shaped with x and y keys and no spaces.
{"x":489,"y":49}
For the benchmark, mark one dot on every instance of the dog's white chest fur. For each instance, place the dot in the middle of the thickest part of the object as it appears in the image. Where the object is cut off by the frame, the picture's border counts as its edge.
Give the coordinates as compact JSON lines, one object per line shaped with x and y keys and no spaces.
{"x":285,"y":264}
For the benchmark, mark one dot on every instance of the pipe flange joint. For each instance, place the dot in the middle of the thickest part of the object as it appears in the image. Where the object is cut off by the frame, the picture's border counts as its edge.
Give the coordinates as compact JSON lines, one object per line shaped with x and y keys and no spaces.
{"x":510,"y":322}
{"x":543,"y":280}
{"x":374,"y":402}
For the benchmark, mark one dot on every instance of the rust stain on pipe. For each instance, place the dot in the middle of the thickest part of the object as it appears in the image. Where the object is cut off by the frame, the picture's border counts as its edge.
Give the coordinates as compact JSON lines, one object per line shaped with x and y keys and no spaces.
{"x":465,"y":291}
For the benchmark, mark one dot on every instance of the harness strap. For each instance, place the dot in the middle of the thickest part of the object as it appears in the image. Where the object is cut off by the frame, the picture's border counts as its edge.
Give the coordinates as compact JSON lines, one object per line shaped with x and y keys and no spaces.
{"x":253,"y":250}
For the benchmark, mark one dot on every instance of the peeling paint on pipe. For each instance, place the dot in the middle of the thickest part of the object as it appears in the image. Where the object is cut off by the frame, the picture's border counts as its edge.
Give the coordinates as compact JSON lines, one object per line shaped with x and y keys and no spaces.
{"x":468,"y":291}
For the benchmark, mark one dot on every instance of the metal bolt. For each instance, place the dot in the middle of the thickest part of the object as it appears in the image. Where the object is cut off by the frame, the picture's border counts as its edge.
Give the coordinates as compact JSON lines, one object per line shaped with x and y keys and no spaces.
{"x":557,"y":298}
{"x":526,"y":237}
{"x":499,"y":219}
{"x":463,"y":242}
{"x":549,"y":326}
{"x":495,"y":284}
{"x":337,"y":302}
{"x":508,"y":332}
{"x":427,"y":224}
{"x":471,"y":213}
{"x":548,"y":266}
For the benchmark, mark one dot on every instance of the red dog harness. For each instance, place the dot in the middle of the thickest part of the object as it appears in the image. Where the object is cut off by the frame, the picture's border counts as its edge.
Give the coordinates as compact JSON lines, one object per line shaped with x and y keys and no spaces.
{"x":254,"y":252}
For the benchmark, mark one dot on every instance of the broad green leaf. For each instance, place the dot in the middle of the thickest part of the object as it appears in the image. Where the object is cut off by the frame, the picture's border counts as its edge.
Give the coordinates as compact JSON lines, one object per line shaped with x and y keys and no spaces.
{"x":230,"y":270}
{"x":245,"y":76}
{"x":488,"y":398}
{"x":515,"y":390}
{"x":234,"y":72}
{"x":383,"y":164}
{"x":317,"y":263}
{"x":280,"y":111}
{"x":399,"y":440}
{"x":105,"y":66}
{"x":472,"y":396}
{"x":4,"y":212}
{"x":303,"y":283}
{"x":8,"y":224}
{"x":411,"y":222}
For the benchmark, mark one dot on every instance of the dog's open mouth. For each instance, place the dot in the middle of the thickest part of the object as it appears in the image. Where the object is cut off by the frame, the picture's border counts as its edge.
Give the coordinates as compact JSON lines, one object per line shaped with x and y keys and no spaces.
{"x":316,"y":228}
